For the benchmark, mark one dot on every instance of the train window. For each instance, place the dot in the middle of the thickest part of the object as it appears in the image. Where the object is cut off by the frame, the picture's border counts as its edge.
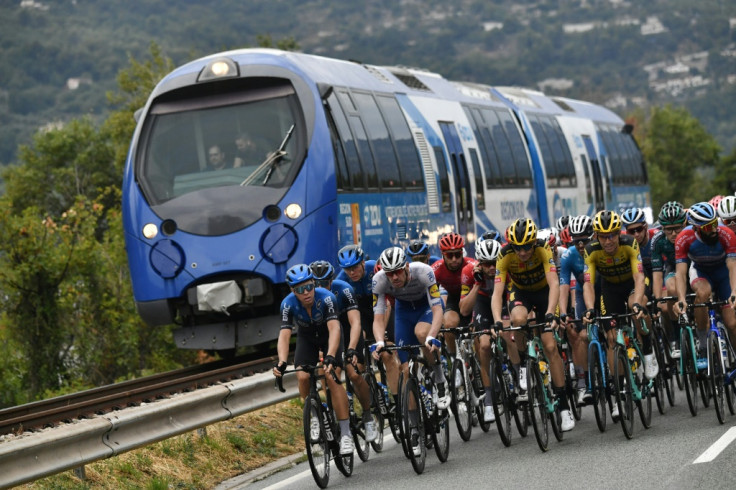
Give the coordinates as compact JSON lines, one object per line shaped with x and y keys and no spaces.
{"x":521,"y":161}
{"x":545,"y":151}
{"x":352,"y":163}
{"x":379,"y":142}
{"x":621,"y":157}
{"x":617,"y":171}
{"x":568,"y":164}
{"x":485,"y":145}
{"x":588,"y":184}
{"x":439,"y":155}
{"x":480,"y":197}
{"x":411,"y":167}
{"x":636,"y":157}
{"x":364,"y":151}
{"x":503,"y":149}
{"x":343,"y":174}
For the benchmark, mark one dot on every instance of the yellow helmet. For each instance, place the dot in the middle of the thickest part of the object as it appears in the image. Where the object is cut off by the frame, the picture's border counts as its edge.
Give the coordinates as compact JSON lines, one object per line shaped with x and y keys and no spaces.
{"x":606,"y":222}
{"x":522,"y":231}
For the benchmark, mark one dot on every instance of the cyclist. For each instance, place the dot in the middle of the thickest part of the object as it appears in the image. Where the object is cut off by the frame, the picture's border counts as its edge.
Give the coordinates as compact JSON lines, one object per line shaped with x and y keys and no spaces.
{"x":359,"y":273}
{"x":349,"y":317}
{"x":727,"y":212}
{"x":635,"y":222}
{"x":708,"y":247}
{"x":571,"y":276}
{"x":475,"y":300}
{"x":418,"y":251}
{"x":534,"y":285}
{"x":313,"y":312}
{"x":448,"y":272}
{"x":672,"y":217}
{"x":616,"y":258}
{"x":418,"y":316}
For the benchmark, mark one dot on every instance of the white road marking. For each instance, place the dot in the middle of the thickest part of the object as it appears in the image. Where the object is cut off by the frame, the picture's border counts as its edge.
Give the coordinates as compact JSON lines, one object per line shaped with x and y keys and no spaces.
{"x":712,"y":452}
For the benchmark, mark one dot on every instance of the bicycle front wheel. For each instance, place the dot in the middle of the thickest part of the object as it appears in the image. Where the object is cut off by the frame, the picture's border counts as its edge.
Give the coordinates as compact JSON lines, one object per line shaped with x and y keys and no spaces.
{"x":716,"y":376}
{"x":462,"y":399}
{"x":318,"y":451}
{"x":537,"y":405}
{"x":501,"y":402}
{"x":689,"y":371}
{"x":624,"y":392}
{"x":412,"y":415}
{"x":596,"y":371}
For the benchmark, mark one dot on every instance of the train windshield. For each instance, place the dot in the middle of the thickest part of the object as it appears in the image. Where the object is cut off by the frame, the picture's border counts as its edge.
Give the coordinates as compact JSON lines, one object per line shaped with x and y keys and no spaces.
{"x":206,"y":161}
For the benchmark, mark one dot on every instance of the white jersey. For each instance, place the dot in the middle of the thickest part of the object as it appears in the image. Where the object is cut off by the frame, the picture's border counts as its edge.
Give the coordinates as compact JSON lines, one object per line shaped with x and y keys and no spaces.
{"x":422,"y":286}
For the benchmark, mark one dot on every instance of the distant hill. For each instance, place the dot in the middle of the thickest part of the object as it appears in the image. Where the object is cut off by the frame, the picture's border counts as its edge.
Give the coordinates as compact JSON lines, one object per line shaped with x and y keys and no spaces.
{"x":59,"y":58}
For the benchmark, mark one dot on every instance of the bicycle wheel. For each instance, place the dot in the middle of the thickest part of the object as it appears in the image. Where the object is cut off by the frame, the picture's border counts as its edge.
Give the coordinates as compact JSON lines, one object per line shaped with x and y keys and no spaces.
{"x":596,"y":372}
{"x":462,"y":400}
{"x":689,"y":372}
{"x":376,"y":412}
{"x":669,"y":365}
{"x":537,"y":406}
{"x":645,"y":403}
{"x":318,"y":451}
{"x":357,"y":427}
{"x":623,"y":391}
{"x":658,"y":387}
{"x":399,"y":417}
{"x":412,"y":421}
{"x":570,"y":382}
{"x":716,"y":376}
{"x":476,"y":384}
{"x":730,"y":388}
{"x":521,"y":409}
{"x":501,"y":402}
{"x":704,"y":388}
{"x":438,"y":425}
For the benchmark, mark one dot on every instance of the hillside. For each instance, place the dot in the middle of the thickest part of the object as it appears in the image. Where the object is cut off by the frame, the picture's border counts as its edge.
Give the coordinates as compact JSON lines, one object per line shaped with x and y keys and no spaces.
{"x":60,"y":58}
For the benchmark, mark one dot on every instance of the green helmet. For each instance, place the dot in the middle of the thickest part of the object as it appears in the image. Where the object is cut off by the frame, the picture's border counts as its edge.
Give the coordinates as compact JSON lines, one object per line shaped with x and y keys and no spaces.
{"x":672,"y":213}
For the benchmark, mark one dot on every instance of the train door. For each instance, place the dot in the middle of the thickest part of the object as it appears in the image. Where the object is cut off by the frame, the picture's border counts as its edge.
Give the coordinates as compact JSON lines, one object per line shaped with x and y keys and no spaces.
{"x":598,"y":195}
{"x":463,"y":203}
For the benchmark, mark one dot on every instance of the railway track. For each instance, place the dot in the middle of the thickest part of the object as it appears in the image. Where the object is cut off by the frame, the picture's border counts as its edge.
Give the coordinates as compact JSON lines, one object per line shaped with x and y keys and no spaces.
{"x":105,"y":399}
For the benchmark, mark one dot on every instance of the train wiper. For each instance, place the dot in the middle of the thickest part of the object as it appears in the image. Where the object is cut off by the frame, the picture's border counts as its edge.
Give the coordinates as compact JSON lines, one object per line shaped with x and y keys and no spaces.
{"x":271,"y":160}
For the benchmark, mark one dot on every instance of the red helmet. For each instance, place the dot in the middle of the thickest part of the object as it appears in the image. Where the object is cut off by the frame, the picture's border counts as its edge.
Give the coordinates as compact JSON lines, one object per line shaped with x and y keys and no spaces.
{"x":451,"y":241}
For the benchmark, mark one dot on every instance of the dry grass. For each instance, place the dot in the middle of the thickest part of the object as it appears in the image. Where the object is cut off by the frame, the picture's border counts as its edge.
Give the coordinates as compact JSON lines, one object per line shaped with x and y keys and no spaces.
{"x":189,"y":461}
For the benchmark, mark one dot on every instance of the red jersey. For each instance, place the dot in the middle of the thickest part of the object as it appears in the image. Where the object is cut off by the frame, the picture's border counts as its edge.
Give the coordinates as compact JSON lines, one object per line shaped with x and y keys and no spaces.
{"x":451,"y":281}
{"x":486,"y":287}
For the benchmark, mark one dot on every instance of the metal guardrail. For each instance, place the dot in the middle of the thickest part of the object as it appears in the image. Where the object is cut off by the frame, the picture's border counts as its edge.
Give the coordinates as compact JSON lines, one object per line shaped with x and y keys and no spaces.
{"x":32,"y":456}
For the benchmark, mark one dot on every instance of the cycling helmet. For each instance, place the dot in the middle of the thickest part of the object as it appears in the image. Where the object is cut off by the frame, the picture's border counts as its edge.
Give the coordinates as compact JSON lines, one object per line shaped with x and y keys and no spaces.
{"x":701,"y":213}
{"x":322,"y":270}
{"x":522,"y":231}
{"x":562,"y":222}
{"x":392,"y":259}
{"x":349,"y":255}
{"x":606,"y":222}
{"x":417,"y":247}
{"x":298,"y":274}
{"x":633,"y":215}
{"x":487,"y":250}
{"x":549,"y":235}
{"x":727,"y":208}
{"x":451,"y":241}
{"x":581,"y":226}
{"x":491,"y":235}
{"x":715,"y":200}
{"x":672,"y":213}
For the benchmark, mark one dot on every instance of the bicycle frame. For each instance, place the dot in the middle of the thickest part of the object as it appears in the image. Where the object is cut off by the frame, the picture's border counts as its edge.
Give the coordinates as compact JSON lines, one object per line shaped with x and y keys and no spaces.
{"x":626,"y":338}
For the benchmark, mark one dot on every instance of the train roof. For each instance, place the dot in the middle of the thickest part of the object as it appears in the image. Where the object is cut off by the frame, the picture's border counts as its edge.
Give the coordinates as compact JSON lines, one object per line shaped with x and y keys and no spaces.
{"x":405,"y":80}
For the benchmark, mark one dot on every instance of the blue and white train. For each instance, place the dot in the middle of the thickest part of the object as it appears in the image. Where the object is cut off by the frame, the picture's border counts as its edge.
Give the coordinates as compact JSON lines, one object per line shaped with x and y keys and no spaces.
{"x":336,"y":152}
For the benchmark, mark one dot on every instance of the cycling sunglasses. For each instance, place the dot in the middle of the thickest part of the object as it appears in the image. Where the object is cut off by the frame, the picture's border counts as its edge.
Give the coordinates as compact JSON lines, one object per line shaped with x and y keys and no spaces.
{"x":524,"y":248}
{"x":488,"y":263}
{"x":322,"y":283}
{"x":635,"y":230}
{"x":709,"y":227}
{"x":304,"y":288}
{"x":453,"y":255}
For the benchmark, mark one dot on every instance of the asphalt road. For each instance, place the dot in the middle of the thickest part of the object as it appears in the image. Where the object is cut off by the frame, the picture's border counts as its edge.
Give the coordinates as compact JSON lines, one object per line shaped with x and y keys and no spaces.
{"x":663,"y":456}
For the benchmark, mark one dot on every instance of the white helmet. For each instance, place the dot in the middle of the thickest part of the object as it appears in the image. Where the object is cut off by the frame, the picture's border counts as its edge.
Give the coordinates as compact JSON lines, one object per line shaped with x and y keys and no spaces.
{"x":727,"y":207}
{"x":487,"y":250}
{"x":581,"y":225}
{"x":392,"y":259}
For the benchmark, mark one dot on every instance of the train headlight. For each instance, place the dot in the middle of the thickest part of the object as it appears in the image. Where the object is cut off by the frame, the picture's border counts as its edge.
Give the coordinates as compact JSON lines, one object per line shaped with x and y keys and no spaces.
{"x":150,"y":231}
{"x":219,"y":68}
{"x":293,"y":211}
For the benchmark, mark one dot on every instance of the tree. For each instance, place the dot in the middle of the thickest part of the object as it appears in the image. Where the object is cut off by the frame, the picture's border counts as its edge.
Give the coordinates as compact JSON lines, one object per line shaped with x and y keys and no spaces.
{"x":679,"y":154}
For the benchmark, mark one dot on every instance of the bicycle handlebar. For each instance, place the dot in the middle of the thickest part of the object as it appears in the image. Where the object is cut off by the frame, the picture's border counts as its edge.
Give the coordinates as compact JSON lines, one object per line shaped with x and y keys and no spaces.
{"x":308,"y":368}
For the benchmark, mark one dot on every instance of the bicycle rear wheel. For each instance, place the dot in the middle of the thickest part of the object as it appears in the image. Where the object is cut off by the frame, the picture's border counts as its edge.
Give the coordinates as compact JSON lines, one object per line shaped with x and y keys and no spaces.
{"x":730,"y":388}
{"x":623,"y":391}
{"x":689,"y":372}
{"x":318,"y":451}
{"x":462,"y":399}
{"x":537,"y":406}
{"x":476,"y":384}
{"x":596,"y":372}
{"x":501,"y":402}
{"x":645,"y":403}
{"x":659,"y":382}
{"x":412,"y":415}
{"x":716,"y":376}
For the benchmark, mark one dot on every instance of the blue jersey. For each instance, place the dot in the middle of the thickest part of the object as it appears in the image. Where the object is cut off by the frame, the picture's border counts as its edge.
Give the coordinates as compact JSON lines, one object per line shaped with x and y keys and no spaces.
{"x":572,"y":265}
{"x":345,"y":295}
{"x":324,"y":309}
{"x":362,"y":288}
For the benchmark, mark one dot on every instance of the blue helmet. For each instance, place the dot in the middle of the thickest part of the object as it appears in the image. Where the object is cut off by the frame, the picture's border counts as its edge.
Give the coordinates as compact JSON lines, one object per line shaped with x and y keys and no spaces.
{"x":417,"y":247}
{"x":350,"y":255}
{"x":701,"y":213}
{"x":633,"y":215}
{"x":321,"y":270}
{"x":298,"y":273}
{"x":491,"y":235}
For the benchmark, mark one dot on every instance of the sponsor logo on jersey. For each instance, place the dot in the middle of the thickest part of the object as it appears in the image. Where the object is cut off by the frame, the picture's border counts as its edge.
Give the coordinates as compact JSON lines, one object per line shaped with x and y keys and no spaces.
{"x":434,"y":291}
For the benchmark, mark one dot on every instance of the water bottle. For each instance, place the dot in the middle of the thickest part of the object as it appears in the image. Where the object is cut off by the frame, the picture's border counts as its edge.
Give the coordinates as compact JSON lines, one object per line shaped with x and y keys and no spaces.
{"x":544,"y":369}
{"x":631,"y":353}
{"x":426,"y":398}
{"x":445,"y":369}
{"x":724,"y":350}
{"x":507,"y":377}
{"x":383,"y":398}
{"x":350,"y":404}
{"x":326,"y":422}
